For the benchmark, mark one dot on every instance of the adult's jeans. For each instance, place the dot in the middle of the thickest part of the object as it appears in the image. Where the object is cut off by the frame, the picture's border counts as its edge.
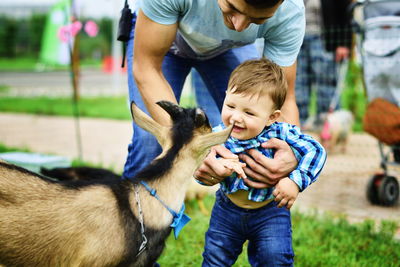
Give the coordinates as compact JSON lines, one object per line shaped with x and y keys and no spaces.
{"x":215,"y":73}
{"x":268,"y":230}
{"x":315,"y":67}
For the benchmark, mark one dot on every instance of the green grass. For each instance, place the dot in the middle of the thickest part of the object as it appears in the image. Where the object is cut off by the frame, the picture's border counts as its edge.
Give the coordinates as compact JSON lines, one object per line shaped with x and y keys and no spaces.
{"x":111,"y":107}
{"x":5,"y":149}
{"x":32,"y":64}
{"x":318,"y":240}
{"x":103,"y":107}
{"x":4,"y":88}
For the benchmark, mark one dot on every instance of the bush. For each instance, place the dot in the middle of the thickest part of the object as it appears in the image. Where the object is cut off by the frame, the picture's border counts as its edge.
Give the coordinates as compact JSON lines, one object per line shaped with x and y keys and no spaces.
{"x":22,"y":37}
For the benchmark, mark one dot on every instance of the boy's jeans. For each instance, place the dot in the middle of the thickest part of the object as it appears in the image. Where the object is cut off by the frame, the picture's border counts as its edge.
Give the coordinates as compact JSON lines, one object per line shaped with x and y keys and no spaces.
{"x":215,"y":73}
{"x":268,"y":230}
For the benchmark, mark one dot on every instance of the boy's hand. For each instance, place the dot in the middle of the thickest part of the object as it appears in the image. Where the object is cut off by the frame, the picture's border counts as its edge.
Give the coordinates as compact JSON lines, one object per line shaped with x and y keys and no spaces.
{"x":286,"y":192}
{"x":212,"y":172}
{"x":234,"y":165}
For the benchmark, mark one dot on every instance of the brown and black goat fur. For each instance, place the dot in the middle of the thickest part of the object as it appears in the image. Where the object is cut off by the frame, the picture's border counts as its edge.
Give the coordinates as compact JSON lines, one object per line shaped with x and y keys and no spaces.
{"x":79,"y":173}
{"x":95,"y":222}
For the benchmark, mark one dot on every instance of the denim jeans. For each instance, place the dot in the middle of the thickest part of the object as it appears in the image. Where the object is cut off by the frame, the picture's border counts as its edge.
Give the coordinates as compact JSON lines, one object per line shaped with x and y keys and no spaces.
{"x":268,"y":230}
{"x":204,"y":99}
{"x":215,"y":73}
{"x":315,"y":67}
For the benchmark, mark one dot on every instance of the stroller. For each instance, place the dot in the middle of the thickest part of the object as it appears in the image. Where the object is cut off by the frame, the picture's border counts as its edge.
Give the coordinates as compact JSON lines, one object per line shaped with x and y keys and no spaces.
{"x":377,"y":39}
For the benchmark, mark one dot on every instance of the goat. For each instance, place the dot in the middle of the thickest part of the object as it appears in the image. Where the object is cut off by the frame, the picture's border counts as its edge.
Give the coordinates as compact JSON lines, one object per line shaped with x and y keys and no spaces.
{"x":97,"y":222}
{"x":195,"y":190}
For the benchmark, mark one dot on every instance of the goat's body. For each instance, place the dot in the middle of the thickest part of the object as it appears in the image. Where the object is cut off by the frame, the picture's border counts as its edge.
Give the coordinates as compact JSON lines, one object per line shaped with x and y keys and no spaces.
{"x":78,"y":224}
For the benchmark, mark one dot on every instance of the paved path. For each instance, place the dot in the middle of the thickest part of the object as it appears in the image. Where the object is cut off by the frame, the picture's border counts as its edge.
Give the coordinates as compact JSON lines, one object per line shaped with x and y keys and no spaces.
{"x":103,"y":141}
{"x":339,"y":190}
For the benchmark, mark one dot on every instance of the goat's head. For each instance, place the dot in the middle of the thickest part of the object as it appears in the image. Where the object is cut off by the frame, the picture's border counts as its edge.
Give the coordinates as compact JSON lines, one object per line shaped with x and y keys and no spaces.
{"x":188,"y":125}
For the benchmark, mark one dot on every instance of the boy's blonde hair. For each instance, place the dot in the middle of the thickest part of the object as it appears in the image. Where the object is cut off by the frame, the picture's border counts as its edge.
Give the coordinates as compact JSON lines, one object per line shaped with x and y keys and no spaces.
{"x":259,"y":77}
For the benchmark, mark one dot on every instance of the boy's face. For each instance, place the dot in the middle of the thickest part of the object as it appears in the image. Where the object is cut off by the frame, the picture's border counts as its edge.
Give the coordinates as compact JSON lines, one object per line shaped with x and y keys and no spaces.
{"x":238,"y":15}
{"x":249,"y":113}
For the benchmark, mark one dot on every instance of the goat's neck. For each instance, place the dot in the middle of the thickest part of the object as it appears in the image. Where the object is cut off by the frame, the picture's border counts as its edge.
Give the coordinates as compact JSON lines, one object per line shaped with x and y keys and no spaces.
{"x":171,"y":189}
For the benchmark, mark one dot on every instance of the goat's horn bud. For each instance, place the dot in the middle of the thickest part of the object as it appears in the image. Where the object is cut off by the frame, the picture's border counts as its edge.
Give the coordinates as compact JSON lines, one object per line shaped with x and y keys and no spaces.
{"x":200,"y":118}
{"x":173,"y":109}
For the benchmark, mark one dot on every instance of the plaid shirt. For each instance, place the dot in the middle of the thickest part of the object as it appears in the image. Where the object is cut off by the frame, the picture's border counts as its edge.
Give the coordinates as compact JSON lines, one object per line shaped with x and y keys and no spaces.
{"x":311,"y":157}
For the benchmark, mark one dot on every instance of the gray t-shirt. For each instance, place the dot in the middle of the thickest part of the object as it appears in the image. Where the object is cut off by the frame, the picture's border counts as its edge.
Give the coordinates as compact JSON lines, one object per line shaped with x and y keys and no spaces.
{"x":202,"y":33}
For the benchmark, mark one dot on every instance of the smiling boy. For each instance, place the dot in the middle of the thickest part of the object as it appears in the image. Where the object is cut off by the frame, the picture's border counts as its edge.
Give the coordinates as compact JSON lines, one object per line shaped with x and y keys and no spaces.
{"x":256,"y":92}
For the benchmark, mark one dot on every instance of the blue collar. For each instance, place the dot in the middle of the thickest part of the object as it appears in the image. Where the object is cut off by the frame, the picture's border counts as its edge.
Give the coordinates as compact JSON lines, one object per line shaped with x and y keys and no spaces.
{"x":179,"y":219}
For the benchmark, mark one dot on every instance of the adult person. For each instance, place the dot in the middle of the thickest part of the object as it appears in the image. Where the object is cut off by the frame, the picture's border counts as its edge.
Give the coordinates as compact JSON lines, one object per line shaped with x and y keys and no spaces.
{"x":327,"y":41}
{"x":172,"y":36}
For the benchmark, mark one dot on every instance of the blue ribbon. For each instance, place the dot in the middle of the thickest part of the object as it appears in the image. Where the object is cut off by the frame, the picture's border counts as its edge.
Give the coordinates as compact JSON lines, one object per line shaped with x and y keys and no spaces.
{"x":179,"y":219}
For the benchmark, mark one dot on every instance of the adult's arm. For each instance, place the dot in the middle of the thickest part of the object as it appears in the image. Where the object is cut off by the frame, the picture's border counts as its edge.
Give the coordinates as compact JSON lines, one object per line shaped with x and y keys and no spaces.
{"x":290,"y":112}
{"x":152,"y":42}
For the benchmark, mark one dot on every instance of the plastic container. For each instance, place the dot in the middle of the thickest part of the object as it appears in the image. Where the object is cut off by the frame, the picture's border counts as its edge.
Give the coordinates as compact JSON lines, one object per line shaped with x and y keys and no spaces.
{"x":34,"y":161}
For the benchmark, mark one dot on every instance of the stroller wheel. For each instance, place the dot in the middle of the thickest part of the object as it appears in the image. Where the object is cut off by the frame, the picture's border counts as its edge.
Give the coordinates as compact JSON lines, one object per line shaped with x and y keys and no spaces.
{"x":372,"y":188}
{"x":388,"y":191}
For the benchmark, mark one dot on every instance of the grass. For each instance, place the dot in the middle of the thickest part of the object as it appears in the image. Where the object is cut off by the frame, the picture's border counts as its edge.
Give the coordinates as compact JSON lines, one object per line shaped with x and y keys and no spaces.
{"x":32,"y":64}
{"x":4,"y":88}
{"x":318,"y":240}
{"x":105,"y":107}
{"x":111,"y":107}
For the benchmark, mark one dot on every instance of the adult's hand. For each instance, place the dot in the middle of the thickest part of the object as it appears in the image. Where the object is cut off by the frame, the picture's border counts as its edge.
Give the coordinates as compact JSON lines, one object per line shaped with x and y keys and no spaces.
{"x":266,"y":172}
{"x":341,"y":53}
{"x":213,"y":170}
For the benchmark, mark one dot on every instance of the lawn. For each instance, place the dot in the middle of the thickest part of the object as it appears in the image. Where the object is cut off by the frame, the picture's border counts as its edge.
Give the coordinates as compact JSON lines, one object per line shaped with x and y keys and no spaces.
{"x":110,"y":107}
{"x":318,"y":240}
{"x":32,"y":64}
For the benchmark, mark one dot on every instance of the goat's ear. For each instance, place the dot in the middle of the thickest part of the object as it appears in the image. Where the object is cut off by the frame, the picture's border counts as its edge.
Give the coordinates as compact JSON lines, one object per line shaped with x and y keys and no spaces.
{"x":208,"y":140}
{"x":148,"y":124}
{"x":172,"y":109}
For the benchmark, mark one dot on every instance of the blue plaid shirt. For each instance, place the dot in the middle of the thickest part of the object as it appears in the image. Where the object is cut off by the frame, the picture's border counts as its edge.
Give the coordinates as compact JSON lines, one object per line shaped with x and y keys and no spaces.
{"x":311,"y":157}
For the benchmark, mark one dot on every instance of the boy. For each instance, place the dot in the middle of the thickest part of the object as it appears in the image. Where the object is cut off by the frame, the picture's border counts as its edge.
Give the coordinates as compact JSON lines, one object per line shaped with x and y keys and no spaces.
{"x":244,"y":211}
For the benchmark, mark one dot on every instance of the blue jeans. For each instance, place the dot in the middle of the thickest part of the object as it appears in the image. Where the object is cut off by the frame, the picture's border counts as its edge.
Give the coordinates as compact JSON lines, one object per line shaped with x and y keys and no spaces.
{"x":215,"y":73}
{"x":315,"y":67}
{"x":204,"y":99}
{"x":268,"y":230}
